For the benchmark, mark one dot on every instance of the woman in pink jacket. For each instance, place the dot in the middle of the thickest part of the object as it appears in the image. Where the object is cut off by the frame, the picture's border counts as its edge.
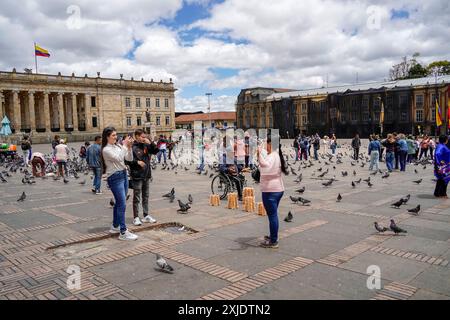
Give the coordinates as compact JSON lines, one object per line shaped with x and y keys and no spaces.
{"x":272,"y":187}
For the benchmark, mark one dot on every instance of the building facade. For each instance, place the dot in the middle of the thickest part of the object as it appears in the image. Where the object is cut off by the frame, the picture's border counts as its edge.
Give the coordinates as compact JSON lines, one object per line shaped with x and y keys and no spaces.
{"x":219,"y":120}
{"x":40,"y":104}
{"x":409,"y":107}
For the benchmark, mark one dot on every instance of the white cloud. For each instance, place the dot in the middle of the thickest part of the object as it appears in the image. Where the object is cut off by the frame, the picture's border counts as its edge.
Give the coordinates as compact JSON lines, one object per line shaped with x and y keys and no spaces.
{"x":285,"y":43}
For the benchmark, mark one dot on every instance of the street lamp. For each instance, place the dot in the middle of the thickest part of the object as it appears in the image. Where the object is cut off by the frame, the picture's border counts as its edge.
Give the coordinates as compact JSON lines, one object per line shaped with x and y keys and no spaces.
{"x":209,"y":94}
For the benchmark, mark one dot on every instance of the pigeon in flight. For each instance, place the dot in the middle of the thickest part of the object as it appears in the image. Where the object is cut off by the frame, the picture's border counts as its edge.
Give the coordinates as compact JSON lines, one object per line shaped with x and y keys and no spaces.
{"x":163,"y":265}
{"x":415,"y":211}
{"x":396,"y":228}
{"x":339,"y":198}
{"x":288,"y":217}
{"x":380,"y":229}
{"x":22,"y":197}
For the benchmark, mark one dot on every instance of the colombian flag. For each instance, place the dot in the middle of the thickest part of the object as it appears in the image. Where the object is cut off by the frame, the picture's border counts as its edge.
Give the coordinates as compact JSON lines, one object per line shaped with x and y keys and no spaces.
{"x":438,"y":115}
{"x":41,"y":52}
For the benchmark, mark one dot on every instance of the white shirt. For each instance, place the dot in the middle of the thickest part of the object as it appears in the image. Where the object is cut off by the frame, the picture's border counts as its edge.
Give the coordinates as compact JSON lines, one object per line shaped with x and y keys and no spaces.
{"x":114,"y":156}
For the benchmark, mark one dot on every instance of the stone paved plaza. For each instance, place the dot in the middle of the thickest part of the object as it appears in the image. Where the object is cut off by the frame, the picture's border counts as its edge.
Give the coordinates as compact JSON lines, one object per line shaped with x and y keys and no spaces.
{"x":324,"y":252}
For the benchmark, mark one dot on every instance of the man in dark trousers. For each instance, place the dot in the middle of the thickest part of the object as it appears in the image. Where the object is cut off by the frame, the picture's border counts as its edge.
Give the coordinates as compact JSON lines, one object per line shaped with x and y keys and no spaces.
{"x":94,"y":162}
{"x":356,"y":144}
{"x":141,"y":173}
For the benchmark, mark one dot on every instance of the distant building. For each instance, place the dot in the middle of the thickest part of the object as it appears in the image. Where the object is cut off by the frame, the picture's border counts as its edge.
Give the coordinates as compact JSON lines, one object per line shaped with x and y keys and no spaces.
{"x":43,"y":104}
{"x":409,"y":107}
{"x":220,"y":120}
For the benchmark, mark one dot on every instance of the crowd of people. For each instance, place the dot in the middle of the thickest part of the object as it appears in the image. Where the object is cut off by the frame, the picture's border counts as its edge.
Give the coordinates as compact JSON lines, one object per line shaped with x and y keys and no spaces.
{"x":126,"y":162}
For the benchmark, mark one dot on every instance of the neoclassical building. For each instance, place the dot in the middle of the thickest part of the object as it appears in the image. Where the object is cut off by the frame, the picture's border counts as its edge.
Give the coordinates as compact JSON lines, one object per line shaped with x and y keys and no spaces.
{"x":409,"y":107}
{"x":42,"y":104}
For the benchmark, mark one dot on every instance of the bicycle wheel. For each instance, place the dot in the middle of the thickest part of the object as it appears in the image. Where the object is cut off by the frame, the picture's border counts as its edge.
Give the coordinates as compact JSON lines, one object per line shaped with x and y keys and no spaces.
{"x":220,"y":185}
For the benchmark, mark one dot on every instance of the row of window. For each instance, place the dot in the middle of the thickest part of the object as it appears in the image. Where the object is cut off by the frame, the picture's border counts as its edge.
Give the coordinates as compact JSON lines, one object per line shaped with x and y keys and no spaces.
{"x":139,"y":121}
{"x":420,"y":100}
{"x":148,"y":103}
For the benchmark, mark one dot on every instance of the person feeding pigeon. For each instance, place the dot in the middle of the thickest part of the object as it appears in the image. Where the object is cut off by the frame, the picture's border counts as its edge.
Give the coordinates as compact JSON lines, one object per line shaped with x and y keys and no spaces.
{"x":113,"y":162}
{"x":38,"y":160}
{"x":272,"y":187}
{"x":141,"y":172}
{"x":61,"y":154}
{"x":442,"y":167}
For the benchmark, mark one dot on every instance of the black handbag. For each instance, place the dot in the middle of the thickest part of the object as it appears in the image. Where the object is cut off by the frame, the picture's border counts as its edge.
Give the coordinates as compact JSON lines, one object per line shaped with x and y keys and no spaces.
{"x":256,"y":175}
{"x":130,"y":184}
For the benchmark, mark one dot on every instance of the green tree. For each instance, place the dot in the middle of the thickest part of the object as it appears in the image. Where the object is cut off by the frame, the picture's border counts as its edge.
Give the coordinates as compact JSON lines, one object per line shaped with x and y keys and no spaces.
{"x":439,"y":68}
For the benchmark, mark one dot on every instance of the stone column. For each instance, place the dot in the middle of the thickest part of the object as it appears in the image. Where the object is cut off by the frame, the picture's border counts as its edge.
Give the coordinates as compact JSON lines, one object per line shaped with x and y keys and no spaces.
{"x":60,"y":104}
{"x":74,"y":112}
{"x":2,"y":108}
{"x":46,"y":110}
{"x":87,"y":111}
{"x":17,"y":117}
{"x":31,"y":110}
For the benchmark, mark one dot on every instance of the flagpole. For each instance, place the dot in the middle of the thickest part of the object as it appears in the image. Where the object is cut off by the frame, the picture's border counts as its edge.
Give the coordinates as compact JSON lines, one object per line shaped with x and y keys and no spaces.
{"x":35,"y":57}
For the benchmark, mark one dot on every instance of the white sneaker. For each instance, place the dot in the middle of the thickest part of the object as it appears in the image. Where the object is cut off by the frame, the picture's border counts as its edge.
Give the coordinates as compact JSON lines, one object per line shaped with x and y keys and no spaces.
{"x":149,"y":219}
{"x":128,"y":236}
{"x":114,"y":230}
{"x":137,"y":221}
{"x":98,"y":192}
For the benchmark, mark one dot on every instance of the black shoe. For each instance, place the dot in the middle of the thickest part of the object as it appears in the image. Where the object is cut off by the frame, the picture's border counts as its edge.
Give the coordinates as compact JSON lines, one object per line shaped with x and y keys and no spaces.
{"x":269,"y":245}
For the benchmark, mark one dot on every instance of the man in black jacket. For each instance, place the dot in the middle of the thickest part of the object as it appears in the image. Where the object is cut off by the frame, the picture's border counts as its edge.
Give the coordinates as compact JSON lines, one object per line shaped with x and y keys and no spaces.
{"x":141,"y":172}
{"x":356,"y":144}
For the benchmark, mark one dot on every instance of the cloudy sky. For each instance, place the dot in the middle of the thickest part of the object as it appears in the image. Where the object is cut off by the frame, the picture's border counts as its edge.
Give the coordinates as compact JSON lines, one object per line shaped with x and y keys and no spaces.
{"x":223,"y":46}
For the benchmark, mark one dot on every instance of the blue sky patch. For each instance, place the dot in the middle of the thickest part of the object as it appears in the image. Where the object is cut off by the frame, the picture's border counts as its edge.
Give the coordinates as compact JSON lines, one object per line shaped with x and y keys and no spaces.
{"x":399,"y":14}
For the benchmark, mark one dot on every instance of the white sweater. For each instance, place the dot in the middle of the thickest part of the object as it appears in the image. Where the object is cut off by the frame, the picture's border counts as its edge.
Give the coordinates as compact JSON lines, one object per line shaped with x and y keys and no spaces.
{"x":114,"y":156}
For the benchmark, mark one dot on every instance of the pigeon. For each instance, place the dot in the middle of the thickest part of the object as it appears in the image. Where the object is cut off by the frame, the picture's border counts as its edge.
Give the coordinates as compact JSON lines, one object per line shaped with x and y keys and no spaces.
{"x":183,"y":207}
{"x":397,"y":204}
{"x":418,"y":181}
{"x":380,"y":229}
{"x":22,"y":197}
{"x":293,"y":171}
{"x":415,"y":211}
{"x":370,"y":184}
{"x":111,"y":202}
{"x":354,"y":172}
{"x":353,"y":184}
{"x":339,"y":198}
{"x":172,"y":198}
{"x":328,"y":183}
{"x":303,"y":201}
{"x":406,"y":199}
{"x":65,"y":180}
{"x":190,"y":199}
{"x":367,"y":180}
{"x":301,"y":190}
{"x":415,"y":171}
{"x":163,"y":265}
{"x":211,"y":175}
{"x":167,"y":195}
{"x":294,"y":199}
{"x":288,"y":217}
{"x":358,"y":181}
{"x":396,"y":228}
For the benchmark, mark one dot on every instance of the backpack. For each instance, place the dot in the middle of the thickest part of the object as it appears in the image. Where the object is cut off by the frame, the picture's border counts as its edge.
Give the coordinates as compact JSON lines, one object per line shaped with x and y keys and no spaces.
{"x":82,"y":151}
{"x":25,"y":145}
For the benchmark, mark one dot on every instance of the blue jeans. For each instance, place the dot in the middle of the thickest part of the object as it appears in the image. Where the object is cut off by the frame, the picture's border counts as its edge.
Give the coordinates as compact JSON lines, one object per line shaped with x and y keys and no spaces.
{"x":316,"y":155}
{"x":162,"y":152}
{"x":390,"y":157}
{"x":271,"y":200}
{"x":118,"y":183}
{"x":402,"y":159}
{"x":97,"y":178}
{"x":374,"y":157}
